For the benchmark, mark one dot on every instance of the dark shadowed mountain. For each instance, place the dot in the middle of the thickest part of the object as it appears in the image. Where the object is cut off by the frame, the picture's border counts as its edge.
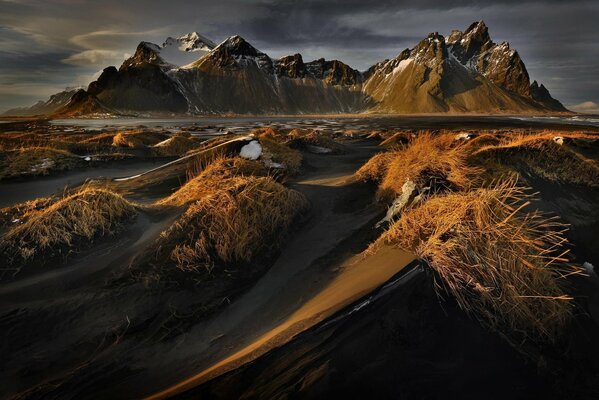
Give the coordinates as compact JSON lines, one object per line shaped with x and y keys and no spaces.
{"x":465,"y":72}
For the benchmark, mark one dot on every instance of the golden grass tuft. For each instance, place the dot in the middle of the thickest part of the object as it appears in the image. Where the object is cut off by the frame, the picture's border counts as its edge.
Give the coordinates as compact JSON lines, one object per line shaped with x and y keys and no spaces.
{"x":233,"y":224}
{"x":376,"y":168}
{"x":220,"y":174}
{"x":275,"y":153}
{"x":64,"y":225}
{"x":398,"y":139}
{"x":176,"y":146}
{"x":138,"y":139}
{"x":429,"y":160}
{"x":105,"y":138}
{"x":314,"y":141}
{"x":20,"y":213}
{"x":267,"y":132}
{"x":503,"y":266}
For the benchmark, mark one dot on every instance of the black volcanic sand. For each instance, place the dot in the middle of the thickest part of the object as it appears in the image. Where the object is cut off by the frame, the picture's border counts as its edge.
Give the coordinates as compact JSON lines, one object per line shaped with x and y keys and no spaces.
{"x":407,"y":344}
{"x":17,"y":191}
{"x":95,"y":331}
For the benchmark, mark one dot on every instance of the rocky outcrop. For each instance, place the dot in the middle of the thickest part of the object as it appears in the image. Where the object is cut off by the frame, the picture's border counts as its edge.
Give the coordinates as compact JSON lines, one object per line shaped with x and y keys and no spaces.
{"x":541,"y":95}
{"x":82,"y":103}
{"x":497,"y":62}
{"x":334,"y":72}
{"x":291,"y":67}
{"x":140,"y":84}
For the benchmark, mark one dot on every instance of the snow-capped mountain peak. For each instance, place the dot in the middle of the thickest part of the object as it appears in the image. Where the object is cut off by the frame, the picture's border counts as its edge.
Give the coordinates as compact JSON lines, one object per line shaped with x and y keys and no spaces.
{"x":185,"y":49}
{"x":190,"y":42}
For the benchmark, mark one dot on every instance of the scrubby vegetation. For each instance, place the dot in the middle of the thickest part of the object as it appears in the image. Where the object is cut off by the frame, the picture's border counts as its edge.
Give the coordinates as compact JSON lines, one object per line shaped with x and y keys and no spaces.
{"x":464,"y":216}
{"x":138,"y":139}
{"x":222,"y":173}
{"x":20,"y":213}
{"x":429,"y":161}
{"x":314,"y":142}
{"x":547,"y":154}
{"x":32,"y":161}
{"x":247,"y":217}
{"x":175,"y":146}
{"x":57,"y":229}
{"x":503,"y":266}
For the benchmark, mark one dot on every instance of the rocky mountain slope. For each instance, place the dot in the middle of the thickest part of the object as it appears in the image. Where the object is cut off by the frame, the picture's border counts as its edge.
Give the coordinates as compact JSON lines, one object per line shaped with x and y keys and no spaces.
{"x":54,"y":103}
{"x":465,"y":72}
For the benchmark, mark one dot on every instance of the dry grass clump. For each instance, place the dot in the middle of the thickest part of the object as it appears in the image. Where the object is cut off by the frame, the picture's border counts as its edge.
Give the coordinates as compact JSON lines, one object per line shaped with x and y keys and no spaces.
{"x":376,"y":168}
{"x":398,"y":139}
{"x":314,"y":142}
{"x":233,"y":224}
{"x":541,"y":155}
{"x":215,"y":141}
{"x":482,"y":140}
{"x":503,"y":266}
{"x":267,"y":132}
{"x":105,"y":138}
{"x":36,"y":161}
{"x":220,"y":174}
{"x":138,"y":139}
{"x":429,"y":160}
{"x":20,"y":213}
{"x":175,"y":146}
{"x":15,"y":141}
{"x":63,"y":226}
{"x":279,"y":155}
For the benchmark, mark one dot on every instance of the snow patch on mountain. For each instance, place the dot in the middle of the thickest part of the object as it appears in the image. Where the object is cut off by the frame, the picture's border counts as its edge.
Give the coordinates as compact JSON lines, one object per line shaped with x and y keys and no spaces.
{"x":185,"y":49}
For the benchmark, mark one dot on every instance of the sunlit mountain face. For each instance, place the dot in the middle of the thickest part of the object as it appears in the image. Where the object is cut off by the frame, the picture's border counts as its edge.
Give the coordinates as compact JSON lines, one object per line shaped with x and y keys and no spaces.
{"x":307,"y":200}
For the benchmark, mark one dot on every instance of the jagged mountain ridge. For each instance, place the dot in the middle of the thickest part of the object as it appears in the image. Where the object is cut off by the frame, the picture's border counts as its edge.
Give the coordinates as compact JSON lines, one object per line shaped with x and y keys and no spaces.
{"x":53,"y":104}
{"x":465,"y":72}
{"x":234,"y":77}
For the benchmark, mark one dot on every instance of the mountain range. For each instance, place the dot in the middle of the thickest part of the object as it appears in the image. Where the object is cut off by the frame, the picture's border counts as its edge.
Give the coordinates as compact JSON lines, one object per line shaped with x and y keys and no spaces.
{"x":463,"y":72}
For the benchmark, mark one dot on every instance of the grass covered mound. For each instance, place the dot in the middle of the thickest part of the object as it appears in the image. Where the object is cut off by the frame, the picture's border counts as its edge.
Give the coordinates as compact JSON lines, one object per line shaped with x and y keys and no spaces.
{"x":65,"y":226}
{"x":435,"y":162}
{"x":19,"y":213}
{"x":503,"y":266}
{"x":550,"y":155}
{"x":376,"y":168}
{"x":176,"y":146}
{"x":232,"y":225}
{"x":278,"y":155}
{"x":314,"y":142}
{"x":222,"y":173}
{"x":138,"y":139}
{"x":33,"y":161}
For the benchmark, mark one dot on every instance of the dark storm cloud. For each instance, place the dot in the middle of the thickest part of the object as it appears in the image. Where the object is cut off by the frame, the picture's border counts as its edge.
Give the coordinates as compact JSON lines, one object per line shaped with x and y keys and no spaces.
{"x":67,"y":41}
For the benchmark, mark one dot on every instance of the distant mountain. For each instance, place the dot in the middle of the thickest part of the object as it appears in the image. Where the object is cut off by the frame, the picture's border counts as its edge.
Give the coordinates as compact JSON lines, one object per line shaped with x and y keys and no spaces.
{"x":54,"y":103}
{"x":465,"y":72}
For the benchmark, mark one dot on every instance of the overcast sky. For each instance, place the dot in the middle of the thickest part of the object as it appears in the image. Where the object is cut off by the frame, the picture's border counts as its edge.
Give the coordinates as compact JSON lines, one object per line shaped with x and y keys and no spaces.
{"x":48,"y":45}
